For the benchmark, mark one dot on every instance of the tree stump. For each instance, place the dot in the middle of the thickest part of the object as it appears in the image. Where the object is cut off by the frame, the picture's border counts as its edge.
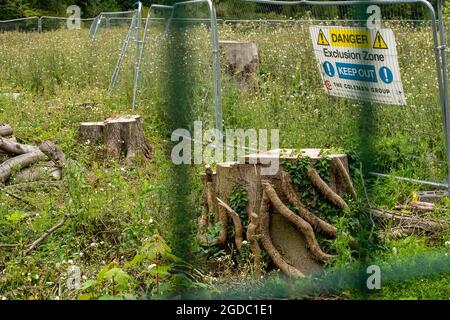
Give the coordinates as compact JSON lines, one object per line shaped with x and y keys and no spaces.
{"x":288,"y":237}
{"x":92,"y":132}
{"x":123,"y":137}
{"x":242,"y":62}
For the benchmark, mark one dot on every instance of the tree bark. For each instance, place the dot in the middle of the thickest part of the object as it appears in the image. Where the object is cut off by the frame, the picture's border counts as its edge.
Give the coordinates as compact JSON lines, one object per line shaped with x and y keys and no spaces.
{"x":317,"y":223}
{"x":5,"y":130}
{"x":15,"y":148}
{"x":266,"y":240}
{"x":301,"y":224}
{"x":325,"y":190}
{"x":92,"y":132}
{"x":237,"y":224}
{"x":252,"y":238}
{"x":19,"y":162}
{"x":53,"y":152}
{"x":40,"y":172}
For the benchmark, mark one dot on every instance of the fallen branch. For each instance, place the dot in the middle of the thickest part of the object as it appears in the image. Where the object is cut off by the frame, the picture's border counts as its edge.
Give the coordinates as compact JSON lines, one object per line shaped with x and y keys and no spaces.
{"x":253,"y":242}
{"x":19,"y":162}
{"x":7,"y":245}
{"x":44,"y":236}
{"x":407,"y":221}
{"x":14,"y":196}
{"x":343,"y":173}
{"x":266,"y":240}
{"x":300,"y":223}
{"x":53,"y":152}
{"x":31,"y":186}
{"x":16,"y":148}
{"x":311,"y":218}
{"x":422,"y":207}
{"x":237,"y":223}
{"x":325,"y":190}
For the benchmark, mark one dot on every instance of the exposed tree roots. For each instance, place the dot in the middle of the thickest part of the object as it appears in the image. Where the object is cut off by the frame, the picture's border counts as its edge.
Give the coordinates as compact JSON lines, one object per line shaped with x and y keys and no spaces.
{"x":252,"y":238}
{"x":220,"y":214}
{"x":238,"y":237}
{"x":304,"y":227}
{"x":325,"y":190}
{"x":345,"y":176}
{"x":266,"y":240}
{"x":317,"y":223}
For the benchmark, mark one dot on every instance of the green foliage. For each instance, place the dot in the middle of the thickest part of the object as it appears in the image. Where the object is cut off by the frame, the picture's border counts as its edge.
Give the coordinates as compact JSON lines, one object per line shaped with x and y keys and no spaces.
{"x":239,"y":201}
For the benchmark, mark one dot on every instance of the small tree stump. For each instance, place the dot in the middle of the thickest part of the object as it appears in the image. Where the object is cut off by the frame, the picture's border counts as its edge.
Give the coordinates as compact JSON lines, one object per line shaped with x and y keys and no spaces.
{"x":92,"y":132}
{"x":242,"y":62}
{"x":123,"y":137}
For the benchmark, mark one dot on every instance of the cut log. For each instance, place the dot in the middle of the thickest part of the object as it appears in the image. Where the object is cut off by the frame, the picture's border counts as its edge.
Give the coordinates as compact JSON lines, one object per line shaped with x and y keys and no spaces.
{"x":92,"y":132}
{"x":5,"y":130}
{"x":42,"y":172}
{"x":242,"y":62}
{"x":53,"y":152}
{"x":408,"y":222}
{"x":19,"y":162}
{"x":15,"y":148}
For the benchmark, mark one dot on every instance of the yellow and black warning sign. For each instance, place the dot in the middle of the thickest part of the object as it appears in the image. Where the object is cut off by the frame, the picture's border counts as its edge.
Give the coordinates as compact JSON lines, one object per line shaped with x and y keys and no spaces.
{"x":379,"y":42}
{"x":322,"y":40}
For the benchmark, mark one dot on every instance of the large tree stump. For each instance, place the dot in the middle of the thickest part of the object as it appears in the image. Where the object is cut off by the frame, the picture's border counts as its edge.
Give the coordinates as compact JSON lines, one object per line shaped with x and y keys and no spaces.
{"x":242,"y":62}
{"x":292,"y":235}
{"x":123,"y":137}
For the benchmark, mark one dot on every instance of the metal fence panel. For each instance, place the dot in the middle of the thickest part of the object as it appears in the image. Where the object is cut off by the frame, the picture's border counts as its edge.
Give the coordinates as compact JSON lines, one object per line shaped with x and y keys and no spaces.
{"x":290,"y":95}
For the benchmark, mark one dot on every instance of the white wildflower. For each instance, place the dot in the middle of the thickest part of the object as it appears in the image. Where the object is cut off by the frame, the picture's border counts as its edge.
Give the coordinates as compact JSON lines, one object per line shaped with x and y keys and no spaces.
{"x":151,"y":266}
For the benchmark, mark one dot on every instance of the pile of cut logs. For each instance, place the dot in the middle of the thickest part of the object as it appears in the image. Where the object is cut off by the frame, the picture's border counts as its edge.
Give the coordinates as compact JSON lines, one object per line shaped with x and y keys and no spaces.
{"x":23,"y":163}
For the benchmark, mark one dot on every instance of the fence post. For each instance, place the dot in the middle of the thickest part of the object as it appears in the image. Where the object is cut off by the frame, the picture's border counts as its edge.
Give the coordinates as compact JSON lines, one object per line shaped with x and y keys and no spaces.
{"x":40,"y":24}
{"x":216,"y":68}
{"x":446,"y":112}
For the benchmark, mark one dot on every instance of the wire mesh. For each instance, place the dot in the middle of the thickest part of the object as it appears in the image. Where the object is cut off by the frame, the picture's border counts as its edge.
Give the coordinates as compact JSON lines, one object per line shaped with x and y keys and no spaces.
{"x":23,"y":25}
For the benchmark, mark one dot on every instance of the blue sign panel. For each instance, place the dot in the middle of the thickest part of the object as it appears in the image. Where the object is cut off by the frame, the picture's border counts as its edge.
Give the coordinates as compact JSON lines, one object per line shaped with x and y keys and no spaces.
{"x":386,"y":75}
{"x":329,"y":69}
{"x":357,"y":72}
